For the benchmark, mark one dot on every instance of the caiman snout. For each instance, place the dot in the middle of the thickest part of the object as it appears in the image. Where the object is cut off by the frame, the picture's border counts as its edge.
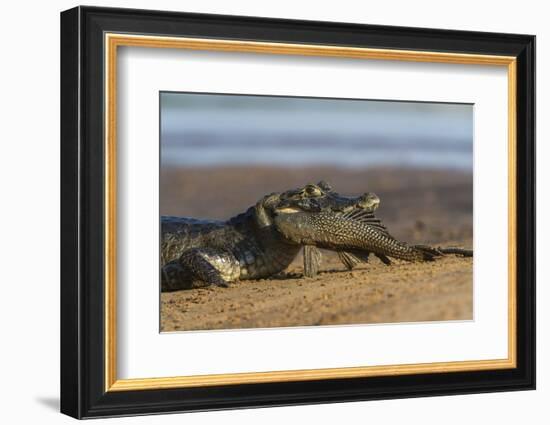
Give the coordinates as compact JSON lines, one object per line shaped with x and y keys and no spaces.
{"x":368,"y":201}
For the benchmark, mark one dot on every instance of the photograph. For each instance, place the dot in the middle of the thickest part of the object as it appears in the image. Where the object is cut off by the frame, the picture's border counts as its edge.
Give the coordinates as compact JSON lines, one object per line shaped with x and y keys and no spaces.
{"x":285,"y":211}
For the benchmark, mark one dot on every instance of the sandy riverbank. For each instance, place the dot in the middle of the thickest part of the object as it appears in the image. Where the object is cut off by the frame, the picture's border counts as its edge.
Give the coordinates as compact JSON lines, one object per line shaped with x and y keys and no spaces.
{"x":417,"y":206}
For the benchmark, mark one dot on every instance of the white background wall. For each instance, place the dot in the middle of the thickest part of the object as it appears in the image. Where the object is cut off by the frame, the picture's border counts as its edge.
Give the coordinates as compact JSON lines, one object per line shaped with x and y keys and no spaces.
{"x":29,"y":178}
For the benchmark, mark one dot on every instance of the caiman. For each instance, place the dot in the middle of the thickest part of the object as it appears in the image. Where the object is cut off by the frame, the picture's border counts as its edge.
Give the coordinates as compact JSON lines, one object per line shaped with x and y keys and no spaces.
{"x":197,"y":253}
{"x":265,"y":239}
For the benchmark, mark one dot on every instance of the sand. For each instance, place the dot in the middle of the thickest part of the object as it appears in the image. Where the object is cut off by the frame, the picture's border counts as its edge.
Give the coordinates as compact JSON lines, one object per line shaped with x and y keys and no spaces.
{"x":417,"y":206}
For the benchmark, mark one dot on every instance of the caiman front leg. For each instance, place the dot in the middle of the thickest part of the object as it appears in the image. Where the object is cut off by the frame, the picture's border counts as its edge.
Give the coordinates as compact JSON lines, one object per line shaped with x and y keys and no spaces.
{"x":199,"y":267}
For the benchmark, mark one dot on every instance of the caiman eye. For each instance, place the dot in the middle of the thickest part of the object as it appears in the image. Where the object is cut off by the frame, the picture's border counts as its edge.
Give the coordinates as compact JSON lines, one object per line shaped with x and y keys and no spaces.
{"x":313,"y":191}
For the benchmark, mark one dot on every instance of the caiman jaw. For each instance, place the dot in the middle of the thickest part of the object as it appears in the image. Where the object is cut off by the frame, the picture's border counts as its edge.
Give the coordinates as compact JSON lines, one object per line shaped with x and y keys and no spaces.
{"x":368,"y":201}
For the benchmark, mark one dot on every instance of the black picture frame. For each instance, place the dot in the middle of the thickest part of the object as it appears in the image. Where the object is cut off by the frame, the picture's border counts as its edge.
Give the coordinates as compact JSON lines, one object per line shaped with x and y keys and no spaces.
{"x":83,"y":392}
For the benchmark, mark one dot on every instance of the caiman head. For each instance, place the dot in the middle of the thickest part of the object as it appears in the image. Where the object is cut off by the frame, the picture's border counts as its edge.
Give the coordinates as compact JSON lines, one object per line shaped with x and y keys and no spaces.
{"x":317,"y":215}
{"x":314,"y":198}
{"x":286,"y":211}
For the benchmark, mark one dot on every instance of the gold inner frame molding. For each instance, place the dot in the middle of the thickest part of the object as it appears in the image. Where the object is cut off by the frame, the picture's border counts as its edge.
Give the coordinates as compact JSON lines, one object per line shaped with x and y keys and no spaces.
{"x":113,"y":41}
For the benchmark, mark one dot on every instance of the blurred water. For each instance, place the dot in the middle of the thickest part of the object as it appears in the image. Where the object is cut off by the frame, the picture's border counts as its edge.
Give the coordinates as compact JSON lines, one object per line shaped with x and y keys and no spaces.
{"x":207,"y":129}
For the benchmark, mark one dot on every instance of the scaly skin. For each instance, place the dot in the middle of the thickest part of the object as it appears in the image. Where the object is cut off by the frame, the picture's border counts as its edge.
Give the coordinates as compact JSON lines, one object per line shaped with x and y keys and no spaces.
{"x":198,"y":253}
{"x":342,"y":232}
{"x":354,"y":234}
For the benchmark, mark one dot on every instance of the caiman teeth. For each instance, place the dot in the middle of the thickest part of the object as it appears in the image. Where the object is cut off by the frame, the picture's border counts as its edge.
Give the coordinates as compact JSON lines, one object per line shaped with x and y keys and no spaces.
{"x":288,"y":210}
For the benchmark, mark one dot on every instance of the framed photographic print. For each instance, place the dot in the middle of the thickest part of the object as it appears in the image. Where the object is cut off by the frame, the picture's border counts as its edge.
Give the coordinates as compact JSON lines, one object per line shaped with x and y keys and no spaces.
{"x":261,"y":212}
